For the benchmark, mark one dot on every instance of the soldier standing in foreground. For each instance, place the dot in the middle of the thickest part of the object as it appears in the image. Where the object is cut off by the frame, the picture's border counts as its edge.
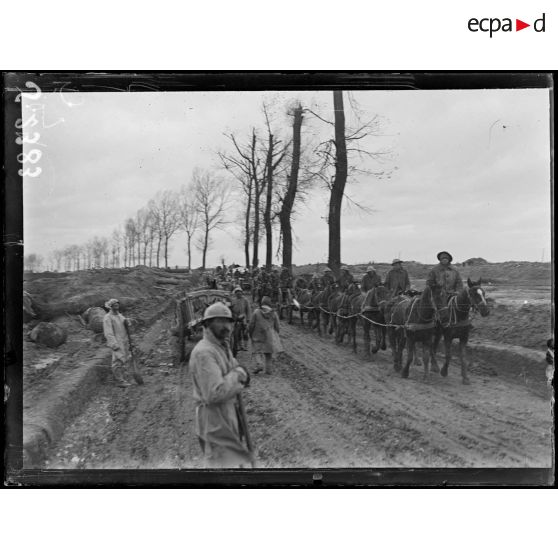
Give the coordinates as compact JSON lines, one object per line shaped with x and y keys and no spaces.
{"x":115,"y":331}
{"x":218,"y":380}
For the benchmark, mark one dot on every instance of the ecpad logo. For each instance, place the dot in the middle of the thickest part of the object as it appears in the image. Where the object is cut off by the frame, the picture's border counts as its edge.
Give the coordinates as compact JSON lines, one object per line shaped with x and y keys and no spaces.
{"x":494,"y":24}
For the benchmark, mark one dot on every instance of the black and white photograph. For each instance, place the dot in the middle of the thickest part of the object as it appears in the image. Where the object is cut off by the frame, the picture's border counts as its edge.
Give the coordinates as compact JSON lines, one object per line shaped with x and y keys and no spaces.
{"x":321,"y":275}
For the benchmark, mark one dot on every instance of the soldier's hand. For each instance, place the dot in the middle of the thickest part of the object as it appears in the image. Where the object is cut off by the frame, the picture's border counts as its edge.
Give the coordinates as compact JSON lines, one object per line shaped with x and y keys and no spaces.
{"x":242,"y":374}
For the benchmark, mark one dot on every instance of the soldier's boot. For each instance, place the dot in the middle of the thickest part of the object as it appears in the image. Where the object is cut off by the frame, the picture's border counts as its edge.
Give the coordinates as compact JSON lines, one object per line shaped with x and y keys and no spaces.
{"x":119,"y":377}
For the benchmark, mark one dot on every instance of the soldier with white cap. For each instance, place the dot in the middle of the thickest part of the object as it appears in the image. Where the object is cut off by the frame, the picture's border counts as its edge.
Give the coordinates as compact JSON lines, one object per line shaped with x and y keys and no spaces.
{"x":218,"y":379}
{"x":115,"y":329}
{"x":397,"y":279}
{"x":370,"y":279}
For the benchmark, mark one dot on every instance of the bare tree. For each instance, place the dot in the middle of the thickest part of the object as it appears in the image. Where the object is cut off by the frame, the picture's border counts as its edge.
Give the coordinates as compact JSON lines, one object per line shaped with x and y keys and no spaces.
{"x":288,"y":199}
{"x":274,"y":155}
{"x":246,"y":166}
{"x":189,"y":217}
{"x":33,"y":262}
{"x":345,"y":157}
{"x":116,"y":242}
{"x":165,"y":210}
{"x":211,"y":199}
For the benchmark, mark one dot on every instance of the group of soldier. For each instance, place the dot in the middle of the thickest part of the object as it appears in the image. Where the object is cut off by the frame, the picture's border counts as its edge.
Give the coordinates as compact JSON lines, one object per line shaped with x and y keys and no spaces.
{"x":218,"y":378}
{"x":396,"y":280}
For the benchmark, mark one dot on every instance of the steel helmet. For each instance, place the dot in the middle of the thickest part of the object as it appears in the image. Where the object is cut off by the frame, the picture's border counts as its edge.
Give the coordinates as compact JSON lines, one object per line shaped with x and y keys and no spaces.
{"x":370,"y":268}
{"x":345,"y":268}
{"x":217,"y":310}
{"x":327,"y":269}
{"x":396,"y":261}
{"x":442,"y":254}
{"x":237,"y":290}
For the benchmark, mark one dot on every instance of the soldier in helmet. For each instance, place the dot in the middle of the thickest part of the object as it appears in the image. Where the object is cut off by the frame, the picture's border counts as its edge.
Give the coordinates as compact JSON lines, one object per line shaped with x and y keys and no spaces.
{"x":315,"y":283}
{"x":445,"y":276}
{"x":345,"y":278}
{"x":327,"y":278}
{"x":217,"y":379}
{"x":397,"y":278}
{"x":370,"y":280}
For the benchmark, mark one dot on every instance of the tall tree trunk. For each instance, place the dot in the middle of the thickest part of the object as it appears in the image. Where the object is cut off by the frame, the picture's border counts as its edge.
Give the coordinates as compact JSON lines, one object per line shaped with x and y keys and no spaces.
{"x":158,"y":249}
{"x":189,"y":251}
{"x":257,"y":208}
{"x":166,"y":252}
{"x":288,"y":202}
{"x":247,"y":223}
{"x":338,"y":187}
{"x":205,"y":244}
{"x":267,"y":211}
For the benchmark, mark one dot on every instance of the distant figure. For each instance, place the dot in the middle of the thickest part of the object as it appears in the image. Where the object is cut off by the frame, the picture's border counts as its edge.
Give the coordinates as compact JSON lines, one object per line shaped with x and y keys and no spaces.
{"x":116,"y":333}
{"x":241,"y":313}
{"x":445,"y":276}
{"x":217,"y":379}
{"x":397,"y":279}
{"x":327,"y":278}
{"x":370,"y":279}
{"x":345,"y":278}
{"x":264,"y":332}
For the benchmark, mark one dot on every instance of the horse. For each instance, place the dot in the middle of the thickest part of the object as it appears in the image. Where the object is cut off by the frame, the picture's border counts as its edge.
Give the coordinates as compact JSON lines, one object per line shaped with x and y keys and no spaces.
{"x":372,"y":315}
{"x":301,"y":302}
{"x":321,"y":308}
{"x":416,"y":318}
{"x":340,"y":306}
{"x":458,"y":324}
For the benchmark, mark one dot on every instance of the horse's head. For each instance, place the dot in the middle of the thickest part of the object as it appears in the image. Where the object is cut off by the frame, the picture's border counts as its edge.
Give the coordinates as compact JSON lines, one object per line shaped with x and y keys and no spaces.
{"x":353,"y":289}
{"x":437,"y":300}
{"x":478,"y":297}
{"x":381,"y":293}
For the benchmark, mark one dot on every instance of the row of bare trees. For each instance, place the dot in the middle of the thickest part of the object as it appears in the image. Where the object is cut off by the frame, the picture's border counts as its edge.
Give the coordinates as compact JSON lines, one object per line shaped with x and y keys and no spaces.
{"x":272,"y":173}
{"x":275,"y":169}
{"x":197,"y":210}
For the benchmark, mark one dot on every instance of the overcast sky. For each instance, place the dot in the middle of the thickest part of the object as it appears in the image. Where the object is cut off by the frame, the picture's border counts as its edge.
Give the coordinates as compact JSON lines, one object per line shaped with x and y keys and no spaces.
{"x":470,"y":170}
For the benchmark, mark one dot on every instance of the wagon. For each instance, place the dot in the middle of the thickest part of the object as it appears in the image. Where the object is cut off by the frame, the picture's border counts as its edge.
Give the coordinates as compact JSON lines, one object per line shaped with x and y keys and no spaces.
{"x":189,"y":315}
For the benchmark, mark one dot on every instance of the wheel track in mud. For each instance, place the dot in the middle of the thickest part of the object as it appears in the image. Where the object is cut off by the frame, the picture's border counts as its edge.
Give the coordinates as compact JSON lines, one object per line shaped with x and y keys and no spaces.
{"x":323,"y":407}
{"x":482,"y":438}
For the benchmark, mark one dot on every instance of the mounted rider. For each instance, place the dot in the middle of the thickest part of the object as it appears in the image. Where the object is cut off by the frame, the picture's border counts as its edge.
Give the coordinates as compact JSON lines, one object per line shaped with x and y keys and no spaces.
{"x":241,"y":313}
{"x":345,"y":278}
{"x":274,"y":284}
{"x":370,"y":280}
{"x":315,"y":283}
{"x":327,"y":278}
{"x":285,"y":282}
{"x":397,"y":279}
{"x":445,"y":276}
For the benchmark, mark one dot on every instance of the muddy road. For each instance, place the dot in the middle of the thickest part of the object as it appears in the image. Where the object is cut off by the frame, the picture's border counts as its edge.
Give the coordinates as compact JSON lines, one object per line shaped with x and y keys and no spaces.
{"x":323,"y":406}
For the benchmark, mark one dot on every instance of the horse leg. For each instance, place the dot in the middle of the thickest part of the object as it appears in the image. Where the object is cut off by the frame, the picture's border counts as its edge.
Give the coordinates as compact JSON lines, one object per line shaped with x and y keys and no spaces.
{"x":376,"y":347}
{"x":397,"y":349}
{"x":463,"y":357}
{"x":382,"y":338}
{"x":447,"y":348}
{"x":433,"y":348}
{"x":426,"y":350}
{"x":410,"y":351}
{"x":366,"y":337}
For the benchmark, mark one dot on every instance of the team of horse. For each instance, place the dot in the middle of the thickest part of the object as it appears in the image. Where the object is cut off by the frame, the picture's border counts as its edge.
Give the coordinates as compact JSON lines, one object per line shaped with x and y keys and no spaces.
{"x":403,"y":321}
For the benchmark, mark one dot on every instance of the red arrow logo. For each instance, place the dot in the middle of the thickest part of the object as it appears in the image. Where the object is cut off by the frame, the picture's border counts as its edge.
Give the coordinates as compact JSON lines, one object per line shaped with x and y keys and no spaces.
{"x":519,"y":25}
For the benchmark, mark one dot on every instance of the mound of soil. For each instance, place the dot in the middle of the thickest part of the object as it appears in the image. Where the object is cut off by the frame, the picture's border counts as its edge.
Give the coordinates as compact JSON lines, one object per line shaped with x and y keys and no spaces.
{"x":54,"y":294}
